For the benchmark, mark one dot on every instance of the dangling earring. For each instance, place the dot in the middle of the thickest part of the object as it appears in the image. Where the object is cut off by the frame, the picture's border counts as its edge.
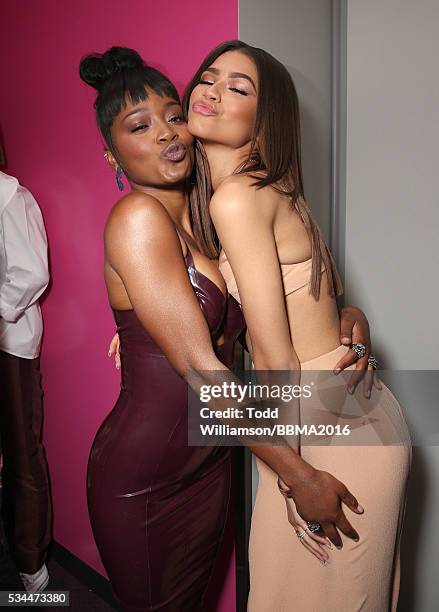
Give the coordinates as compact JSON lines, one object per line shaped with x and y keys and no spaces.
{"x":119,"y":179}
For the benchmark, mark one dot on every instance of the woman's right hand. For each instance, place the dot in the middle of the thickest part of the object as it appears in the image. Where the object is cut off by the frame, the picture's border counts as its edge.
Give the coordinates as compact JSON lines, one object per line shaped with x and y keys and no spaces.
{"x":115,"y":350}
{"x":318,"y":497}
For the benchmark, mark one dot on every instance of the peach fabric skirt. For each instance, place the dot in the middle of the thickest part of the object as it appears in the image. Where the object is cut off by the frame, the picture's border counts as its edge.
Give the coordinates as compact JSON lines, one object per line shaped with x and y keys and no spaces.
{"x":364,"y":575}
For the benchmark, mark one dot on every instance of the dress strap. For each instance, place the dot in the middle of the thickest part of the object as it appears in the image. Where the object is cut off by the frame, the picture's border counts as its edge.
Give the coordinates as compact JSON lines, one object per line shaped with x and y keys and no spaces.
{"x":188,"y":257}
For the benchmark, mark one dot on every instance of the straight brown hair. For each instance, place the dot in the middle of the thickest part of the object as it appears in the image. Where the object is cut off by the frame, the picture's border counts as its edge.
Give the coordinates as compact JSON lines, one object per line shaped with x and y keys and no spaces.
{"x":275,"y":151}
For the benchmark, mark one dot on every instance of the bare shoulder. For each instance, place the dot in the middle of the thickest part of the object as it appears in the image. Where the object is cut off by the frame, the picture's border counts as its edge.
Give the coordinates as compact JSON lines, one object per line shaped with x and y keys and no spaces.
{"x":138,"y":212}
{"x":137,"y":204}
{"x":238,"y":187}
{"x":237,"y":196}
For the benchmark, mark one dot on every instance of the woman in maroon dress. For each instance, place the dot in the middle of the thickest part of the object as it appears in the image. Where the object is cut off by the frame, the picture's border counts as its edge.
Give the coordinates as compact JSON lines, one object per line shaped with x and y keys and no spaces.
{"x":157,"y":506}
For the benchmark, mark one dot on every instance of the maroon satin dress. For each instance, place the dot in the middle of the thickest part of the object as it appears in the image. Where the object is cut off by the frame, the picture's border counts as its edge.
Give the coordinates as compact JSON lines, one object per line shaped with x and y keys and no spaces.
{"x":158,"y":506}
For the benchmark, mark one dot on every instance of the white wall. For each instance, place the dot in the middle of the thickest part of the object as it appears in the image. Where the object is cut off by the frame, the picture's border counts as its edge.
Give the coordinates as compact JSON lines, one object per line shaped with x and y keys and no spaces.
{"x":298,"y":33}
{"x":392,"y":191}
{"x":392,"y":223}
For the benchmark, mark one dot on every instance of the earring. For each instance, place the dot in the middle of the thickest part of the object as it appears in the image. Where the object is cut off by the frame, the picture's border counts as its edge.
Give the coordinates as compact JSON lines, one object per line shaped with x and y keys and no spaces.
{"x":119,"y":179}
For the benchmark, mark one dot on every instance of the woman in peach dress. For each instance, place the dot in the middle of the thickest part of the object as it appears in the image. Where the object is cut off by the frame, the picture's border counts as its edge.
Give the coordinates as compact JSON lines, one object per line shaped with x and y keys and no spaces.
{"x":242,"y":107}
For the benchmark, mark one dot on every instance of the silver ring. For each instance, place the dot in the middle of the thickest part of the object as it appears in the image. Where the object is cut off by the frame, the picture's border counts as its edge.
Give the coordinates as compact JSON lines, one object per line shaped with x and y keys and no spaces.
{"x":373,"y":361}
{"x":301,"y":535}
{"x":313,"y":527}
{"x":359,"y":349}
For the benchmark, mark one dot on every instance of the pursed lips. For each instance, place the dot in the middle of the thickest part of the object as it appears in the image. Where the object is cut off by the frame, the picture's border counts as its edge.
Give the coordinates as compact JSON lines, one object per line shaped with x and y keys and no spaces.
{"x":174,"y":151}
{"x":203,"y":108}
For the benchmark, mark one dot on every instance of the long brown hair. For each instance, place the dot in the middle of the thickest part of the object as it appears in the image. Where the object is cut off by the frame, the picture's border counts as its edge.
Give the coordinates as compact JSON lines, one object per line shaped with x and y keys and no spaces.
{"x":275,"y":150}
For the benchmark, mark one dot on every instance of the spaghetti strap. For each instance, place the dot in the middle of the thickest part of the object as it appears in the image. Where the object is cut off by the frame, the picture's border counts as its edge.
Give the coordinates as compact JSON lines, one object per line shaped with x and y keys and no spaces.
{"x":188,"y":257}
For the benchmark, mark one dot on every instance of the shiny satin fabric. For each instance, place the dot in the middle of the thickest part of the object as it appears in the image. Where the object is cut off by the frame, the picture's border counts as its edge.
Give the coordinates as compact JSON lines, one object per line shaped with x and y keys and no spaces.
{"x":158,"y":507}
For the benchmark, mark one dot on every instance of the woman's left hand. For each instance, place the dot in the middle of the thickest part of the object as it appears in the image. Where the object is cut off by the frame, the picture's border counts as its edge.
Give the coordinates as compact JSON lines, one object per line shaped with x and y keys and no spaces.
{"x":354,"y":328}
{"x":315,"y":544}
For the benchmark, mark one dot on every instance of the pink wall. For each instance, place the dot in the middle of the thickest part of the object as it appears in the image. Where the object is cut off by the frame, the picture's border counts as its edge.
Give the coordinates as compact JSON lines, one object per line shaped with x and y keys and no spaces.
{"x":53,"y":147}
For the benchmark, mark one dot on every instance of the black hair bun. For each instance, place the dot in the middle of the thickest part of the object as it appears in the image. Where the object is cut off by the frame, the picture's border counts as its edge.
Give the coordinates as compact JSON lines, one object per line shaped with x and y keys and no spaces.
{"x":95,"y":69}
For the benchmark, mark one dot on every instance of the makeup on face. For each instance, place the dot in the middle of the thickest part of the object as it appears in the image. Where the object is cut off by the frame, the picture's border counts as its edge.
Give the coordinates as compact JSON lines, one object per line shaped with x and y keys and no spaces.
{"x":204,"y":108}
{"x":153,"y":142}
{"x":148,"y":113}
{"x":175,"y":152}
{"x":223,"y":105}
{"x":233,"y":76}
{"x":237,"y":82}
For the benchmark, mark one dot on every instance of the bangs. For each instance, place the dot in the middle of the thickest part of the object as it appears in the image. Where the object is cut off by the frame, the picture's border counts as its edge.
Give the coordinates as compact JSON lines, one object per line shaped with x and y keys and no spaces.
{"x":132,"y":84}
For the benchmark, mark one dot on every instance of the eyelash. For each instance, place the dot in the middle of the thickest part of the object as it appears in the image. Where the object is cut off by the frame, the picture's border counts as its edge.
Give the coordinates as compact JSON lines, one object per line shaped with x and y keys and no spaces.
{"x":240,"y":91}
{"x":139,"y":127}
{"x":175,"y":119}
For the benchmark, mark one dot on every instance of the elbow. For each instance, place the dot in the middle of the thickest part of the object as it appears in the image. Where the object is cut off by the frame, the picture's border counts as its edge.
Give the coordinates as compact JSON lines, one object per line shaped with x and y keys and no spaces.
{"x":181,"y":365}
{"x":17,"y":298}
{"x":278,"y":365}
{"x":286,"y":361}
{"x":32,"y":280}
{"x":41,"y":277}
{"x":38,"y":280}
{"x":44,"y":282}
{"x":192,"y":368}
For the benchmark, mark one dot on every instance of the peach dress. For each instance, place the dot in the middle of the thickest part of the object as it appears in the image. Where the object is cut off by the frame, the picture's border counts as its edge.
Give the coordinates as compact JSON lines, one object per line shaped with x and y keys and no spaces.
{"x":364,"y":575}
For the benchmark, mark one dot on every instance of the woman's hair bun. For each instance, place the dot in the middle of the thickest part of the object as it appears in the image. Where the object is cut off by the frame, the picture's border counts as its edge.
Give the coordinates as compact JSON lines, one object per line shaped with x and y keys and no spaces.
{"x":95,"y":69}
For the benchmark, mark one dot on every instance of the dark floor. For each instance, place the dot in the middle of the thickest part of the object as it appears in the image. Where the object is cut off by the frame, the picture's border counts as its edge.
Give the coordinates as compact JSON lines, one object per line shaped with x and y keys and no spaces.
{"x":90,"y":595}
{"x":89,"y":591}
{"x":82,"y":598}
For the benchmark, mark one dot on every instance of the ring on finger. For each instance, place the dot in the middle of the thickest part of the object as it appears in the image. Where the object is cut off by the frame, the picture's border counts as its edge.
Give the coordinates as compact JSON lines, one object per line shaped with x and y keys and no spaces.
{"x":313,"y":526}
{"x":373,"y":361}
{"x":359,"y":349}
{"x":301,"y":534}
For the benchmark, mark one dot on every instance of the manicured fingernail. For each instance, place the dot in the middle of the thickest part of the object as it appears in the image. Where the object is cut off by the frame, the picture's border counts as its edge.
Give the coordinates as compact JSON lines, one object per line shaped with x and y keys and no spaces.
{"x":356,"y":539}
{"x":339,"y":547}
{"x":360,"y":508}
{"x":351,"y":389}
{"x":109,"y":353}
{"x":337,"y":370}
{"x":367,"y":394}
{"x":345,"y":339}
